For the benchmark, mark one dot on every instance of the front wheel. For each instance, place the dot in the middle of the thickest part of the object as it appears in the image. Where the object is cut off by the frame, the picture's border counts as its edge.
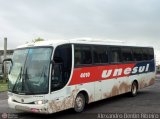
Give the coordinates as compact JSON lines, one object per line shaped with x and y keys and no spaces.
{"x":134,"y":89}
{"x":79,"y":103}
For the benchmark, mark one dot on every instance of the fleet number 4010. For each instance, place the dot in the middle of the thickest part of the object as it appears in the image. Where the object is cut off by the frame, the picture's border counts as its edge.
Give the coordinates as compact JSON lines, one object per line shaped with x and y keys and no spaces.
{"x":85,"y":75}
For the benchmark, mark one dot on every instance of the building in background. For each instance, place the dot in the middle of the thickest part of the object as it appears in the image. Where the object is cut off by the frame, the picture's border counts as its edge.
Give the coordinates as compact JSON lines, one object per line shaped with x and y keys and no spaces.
{"x":9,"y":55}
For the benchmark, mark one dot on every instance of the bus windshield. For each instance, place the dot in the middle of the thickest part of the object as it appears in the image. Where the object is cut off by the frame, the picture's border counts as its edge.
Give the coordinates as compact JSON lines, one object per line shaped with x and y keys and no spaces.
{"x":29,"y":73}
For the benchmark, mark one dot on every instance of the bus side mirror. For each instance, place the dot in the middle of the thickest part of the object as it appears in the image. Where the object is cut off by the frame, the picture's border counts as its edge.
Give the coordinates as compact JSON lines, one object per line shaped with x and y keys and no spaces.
{"x":6,"y":60}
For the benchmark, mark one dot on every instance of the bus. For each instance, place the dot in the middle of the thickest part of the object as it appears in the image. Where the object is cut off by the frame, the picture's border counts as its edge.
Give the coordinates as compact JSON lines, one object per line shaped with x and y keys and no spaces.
{"x":51,"y":76}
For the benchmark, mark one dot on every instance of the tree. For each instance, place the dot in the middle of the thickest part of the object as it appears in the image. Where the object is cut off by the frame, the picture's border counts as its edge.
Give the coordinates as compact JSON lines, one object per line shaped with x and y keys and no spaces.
{"x":37,"y":40}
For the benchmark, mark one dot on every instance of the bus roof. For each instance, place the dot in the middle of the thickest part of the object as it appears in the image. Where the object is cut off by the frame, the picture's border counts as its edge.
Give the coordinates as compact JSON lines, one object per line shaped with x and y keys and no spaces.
{"x":80,"y":41}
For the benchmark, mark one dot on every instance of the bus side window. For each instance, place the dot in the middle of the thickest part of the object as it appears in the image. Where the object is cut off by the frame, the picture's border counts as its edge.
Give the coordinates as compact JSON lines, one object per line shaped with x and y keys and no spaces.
{"x":115,"y":54}
{"x":137,"y":53}
{"x":145,"y":54}
{"x":83,"y":55}
{"x":86,"y":55}
{"x":77,"y":56}
{"x":100,"y":54}
{"x":127,"y":54}
{"x":150,"y":54}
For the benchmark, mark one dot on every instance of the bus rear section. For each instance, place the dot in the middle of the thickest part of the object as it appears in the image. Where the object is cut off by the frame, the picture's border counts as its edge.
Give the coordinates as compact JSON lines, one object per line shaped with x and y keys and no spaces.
{"x":72,"y":75}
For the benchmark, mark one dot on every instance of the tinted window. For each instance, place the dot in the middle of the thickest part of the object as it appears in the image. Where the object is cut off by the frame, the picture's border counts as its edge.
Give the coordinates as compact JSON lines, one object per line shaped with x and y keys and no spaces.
{"x":61,"y":69}
{"x":127,"y":54}
{"x":150,"y":54}
{"x":83,"y":55}
{"x":145,"y":53}
{"x":137,"y":52}
{"x":115,"y":54}
{"x":100,"y":54}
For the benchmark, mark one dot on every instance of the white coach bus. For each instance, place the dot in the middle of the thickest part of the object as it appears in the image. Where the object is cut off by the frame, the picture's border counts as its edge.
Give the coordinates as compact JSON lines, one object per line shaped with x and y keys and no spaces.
{"x":51,"y":76}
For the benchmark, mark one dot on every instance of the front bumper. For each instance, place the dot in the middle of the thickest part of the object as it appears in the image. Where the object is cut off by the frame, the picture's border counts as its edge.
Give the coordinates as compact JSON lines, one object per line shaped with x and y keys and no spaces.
{"x":34,"y":108}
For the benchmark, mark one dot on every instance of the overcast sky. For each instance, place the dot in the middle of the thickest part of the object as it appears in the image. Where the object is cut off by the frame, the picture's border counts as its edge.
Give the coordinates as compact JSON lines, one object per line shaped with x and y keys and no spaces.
{"x":132,"y":21}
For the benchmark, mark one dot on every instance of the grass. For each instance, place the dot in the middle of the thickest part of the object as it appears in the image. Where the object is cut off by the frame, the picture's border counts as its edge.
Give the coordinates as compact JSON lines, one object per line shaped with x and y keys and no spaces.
{"x":3,"y":86}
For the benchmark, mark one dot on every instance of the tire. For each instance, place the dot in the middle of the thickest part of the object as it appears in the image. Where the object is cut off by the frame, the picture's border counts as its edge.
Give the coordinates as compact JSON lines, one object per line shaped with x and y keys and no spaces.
{"x":79,"y":103}
{"x":134,"y":89}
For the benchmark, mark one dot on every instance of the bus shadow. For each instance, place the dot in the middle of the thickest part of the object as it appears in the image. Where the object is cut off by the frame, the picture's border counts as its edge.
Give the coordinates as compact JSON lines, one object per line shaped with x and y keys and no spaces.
{"x":116,"y":99}
{"x":110,"y":100}
{"x":58,"y":115}
{"x":71,"y":114}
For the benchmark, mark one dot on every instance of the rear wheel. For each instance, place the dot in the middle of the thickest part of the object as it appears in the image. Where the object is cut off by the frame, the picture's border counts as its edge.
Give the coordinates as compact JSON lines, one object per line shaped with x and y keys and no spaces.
{"x":79,"y":103}
{"x":134,"y":89}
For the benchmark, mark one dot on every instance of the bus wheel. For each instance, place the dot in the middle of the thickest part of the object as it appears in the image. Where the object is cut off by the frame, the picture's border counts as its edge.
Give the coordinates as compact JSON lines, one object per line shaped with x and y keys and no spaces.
{"x":134,"y":89}
{"x":79,"y":103}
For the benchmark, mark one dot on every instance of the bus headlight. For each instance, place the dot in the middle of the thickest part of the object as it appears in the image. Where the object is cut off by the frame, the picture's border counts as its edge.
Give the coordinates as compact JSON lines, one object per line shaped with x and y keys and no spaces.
{"x":39,"y":102}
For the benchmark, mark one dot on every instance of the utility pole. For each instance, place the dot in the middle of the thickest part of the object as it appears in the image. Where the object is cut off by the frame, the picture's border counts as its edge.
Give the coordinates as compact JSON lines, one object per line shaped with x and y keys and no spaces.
{"x":5,"y":55}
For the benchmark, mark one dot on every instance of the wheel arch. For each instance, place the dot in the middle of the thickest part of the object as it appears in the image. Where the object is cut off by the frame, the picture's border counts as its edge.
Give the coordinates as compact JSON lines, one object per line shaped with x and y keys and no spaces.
{"x":86,"y":95}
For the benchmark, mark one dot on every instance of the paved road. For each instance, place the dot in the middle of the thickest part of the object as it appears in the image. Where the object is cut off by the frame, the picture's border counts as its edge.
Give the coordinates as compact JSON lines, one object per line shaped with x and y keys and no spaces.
{"x":147,"y":101}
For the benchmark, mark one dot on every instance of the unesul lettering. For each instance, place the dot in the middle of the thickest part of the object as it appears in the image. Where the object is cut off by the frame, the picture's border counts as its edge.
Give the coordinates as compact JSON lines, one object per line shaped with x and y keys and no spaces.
{"x":126,"y":71}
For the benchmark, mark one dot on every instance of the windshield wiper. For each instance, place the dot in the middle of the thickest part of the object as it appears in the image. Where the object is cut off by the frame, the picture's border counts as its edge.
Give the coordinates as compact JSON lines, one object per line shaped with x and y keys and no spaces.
{"x":18,"y":78}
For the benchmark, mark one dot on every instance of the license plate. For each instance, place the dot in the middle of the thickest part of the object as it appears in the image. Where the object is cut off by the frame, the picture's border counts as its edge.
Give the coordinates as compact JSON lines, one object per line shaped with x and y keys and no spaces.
{"x":18,"y":107}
